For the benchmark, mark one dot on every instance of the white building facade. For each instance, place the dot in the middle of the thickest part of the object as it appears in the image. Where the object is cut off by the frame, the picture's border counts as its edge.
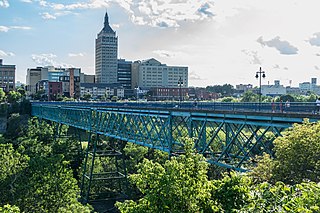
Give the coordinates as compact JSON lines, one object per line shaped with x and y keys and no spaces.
{"x":151,"y":74}
{"x":273,"y":90}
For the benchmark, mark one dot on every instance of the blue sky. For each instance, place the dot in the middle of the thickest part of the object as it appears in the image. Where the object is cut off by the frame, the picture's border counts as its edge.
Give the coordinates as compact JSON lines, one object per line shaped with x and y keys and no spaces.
{"x":221,"y":41}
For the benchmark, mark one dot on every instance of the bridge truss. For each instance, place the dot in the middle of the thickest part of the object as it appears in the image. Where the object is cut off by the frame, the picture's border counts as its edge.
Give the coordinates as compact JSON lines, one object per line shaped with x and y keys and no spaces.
{"x":228,"y":139}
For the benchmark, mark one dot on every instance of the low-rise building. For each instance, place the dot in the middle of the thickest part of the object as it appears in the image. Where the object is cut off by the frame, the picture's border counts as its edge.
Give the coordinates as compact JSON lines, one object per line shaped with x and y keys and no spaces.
{"x":100,"y":90}
{"x":273,"y":90}
{"x":51,"y":90}
{"x":7,"y":77}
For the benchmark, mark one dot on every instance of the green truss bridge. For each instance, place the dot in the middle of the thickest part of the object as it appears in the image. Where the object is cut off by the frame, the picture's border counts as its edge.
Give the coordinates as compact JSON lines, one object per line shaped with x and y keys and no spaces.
{"x":230,"y":135}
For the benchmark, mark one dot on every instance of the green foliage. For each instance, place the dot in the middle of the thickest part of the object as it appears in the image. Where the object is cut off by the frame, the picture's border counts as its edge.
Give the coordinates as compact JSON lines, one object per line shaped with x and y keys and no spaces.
{"x":224,"y":90}
{"x":285,"y":98}
{"x":135,"y":155}
{"x":37,"y":176}
{"x":229,"y":99}
{"x":312,"y":98}
{"x":232,"y":191}
{"x":12,"y":163}
{"x":249,"y":96}
{"x":50,"y":187}
{"x":9,"y":209}
{"x":16,"y":126}
{"x":39,"y":95}
{"x":22,"y":92}
{"x":13,"y":96}
{"x":265,"y":197}
{"x":180,"y":185}
{"x":114,"y":98}
{"x":2,"y":95}
{"x":296,"y":156}
{"x":87,"y":97}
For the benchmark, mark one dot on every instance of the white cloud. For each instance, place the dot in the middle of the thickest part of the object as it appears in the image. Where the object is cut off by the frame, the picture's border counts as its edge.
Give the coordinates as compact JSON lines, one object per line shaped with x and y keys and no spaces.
{"x":254,"y":57}
{"x":7,"y":28}
{"x":161,"y":13}
{"x":165,"y":53}
{"x":4,"y":3}
{"x":315,"y":40}
{"x":26,"y":1}
{"x":115,"y":26}
{"x":155,"y":13}
{"x":76,"y":54}
{"x":92,"y":4}
{"x":21,"y":27}
{"x":47,"y":16}
{"x":48,"y":60}
{"x":194,"y":76}
{"x":284,"y":47}
{"x":4,"y":29}
{"x":3,"y":53}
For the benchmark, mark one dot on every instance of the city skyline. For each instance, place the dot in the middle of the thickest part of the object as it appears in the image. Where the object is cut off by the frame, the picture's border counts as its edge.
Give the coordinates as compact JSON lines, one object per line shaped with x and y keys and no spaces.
{"x":220,"y":41}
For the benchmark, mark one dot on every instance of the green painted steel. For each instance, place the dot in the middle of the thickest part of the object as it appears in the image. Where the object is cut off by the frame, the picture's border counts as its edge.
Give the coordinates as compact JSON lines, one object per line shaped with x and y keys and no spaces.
{"x":231,"y":140}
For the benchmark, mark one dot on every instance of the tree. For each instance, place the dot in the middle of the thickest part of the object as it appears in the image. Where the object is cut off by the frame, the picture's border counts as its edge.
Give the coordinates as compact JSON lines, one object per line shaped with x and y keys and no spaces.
{"x":224,"y":90}
{"x":9,"y":209}
{"x":228,"y":99}
{"x":38,"y":176}
{"x":51,"y":187}
{"x":285,"y":98}
{"x":180,"y":185}
{"x":39,"y":95}
{"x":12,"y":164}
{"x":296,"y":156}
{"x":16,"y":126}
{"x":265,"y":197}
{"x":13,"y":96}
{"x":87,"y":97}
{"x":22,"y":91}
{"x":249,"y":96}
{"x":232,"y":191}
{"x":2,"y":95}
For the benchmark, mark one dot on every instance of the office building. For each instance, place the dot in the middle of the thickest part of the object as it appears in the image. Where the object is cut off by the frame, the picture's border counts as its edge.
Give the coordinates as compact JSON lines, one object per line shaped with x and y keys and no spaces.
{"x":102,"y":90}
{"x":84,"y":78}
{"x":7,"y":76}
{"x":34,"y":75}
{"x":71,"y":82}
{"x":124,"y":73}
{"x":151,"y":73}
{"x":106,"y":54}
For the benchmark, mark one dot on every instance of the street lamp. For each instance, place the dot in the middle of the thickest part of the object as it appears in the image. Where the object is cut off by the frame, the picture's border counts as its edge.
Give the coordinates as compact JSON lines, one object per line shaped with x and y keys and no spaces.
{"x":260,"y":74}
{"x":180,"y":83}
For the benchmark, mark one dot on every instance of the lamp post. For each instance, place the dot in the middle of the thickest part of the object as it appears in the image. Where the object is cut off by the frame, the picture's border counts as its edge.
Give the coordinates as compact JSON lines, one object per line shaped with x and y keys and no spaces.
{"x":180,"y":83}
{"x":260,"y":74}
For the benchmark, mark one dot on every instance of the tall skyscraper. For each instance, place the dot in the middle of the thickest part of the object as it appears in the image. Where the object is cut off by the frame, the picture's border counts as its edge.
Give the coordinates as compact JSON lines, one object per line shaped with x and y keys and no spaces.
{"x":106,"y":54}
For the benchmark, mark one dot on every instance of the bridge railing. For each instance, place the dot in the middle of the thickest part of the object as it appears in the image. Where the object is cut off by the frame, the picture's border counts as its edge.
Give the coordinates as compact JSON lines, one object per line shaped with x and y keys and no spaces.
{"x":276,"y":107}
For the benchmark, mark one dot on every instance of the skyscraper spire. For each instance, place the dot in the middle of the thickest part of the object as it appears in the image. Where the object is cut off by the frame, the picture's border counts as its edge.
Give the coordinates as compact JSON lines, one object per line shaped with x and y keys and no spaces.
{"x":106,"y":19}
{"x":107,"y":28}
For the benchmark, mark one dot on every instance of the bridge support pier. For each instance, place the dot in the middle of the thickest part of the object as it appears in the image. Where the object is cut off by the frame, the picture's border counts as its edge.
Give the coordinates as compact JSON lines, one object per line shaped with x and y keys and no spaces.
{"x":104,"y":172}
